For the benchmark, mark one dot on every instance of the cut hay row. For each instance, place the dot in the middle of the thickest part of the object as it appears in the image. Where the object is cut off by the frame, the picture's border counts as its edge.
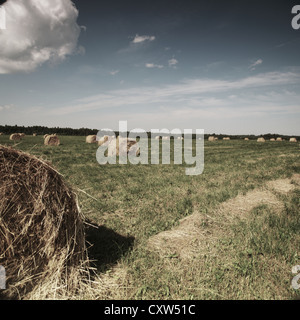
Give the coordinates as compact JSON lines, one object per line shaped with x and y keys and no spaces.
{"x":42,"y":240}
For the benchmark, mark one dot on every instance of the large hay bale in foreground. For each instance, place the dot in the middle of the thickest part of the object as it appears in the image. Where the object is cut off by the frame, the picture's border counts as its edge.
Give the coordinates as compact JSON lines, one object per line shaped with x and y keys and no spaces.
{"x":293,"y":140}
{"x":42,"y":241}
{"x":91,"y":139}
{"x":52,"y":140}
{"x":261,"y":139}
{"x":15,"y":136}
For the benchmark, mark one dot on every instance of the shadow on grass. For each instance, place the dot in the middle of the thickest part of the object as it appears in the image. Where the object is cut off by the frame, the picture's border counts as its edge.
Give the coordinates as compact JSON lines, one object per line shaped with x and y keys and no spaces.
{"x":105,"y":246}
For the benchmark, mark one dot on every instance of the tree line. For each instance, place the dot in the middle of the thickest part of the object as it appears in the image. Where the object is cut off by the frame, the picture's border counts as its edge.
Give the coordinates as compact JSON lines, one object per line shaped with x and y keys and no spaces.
{"x":41,"y":130}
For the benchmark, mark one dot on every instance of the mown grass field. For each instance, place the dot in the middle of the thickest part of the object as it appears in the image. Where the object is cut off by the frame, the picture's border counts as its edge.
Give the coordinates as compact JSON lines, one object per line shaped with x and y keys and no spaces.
{"x":237,"y":249}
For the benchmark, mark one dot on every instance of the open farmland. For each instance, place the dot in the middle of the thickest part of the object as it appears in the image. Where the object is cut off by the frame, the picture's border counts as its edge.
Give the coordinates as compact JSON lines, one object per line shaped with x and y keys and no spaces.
{"x":232,"y":232}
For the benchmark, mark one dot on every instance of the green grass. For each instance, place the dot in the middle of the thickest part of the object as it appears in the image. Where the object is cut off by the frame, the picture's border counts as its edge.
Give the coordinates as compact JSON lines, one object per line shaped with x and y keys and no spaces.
{"x":252,"y":257}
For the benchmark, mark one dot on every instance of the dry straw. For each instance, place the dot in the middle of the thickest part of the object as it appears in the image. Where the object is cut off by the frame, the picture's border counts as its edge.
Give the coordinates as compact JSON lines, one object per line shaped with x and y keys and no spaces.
{"x":261,"y":139}
{"x":52,"y":140}
{"x":42,"y":240}
{"x":293,"y":140}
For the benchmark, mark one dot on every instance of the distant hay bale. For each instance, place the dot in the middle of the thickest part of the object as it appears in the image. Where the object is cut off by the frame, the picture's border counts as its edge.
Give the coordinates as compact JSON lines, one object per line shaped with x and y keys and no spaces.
{"x":272,"y":139}
{"x":246,"y":139}
{"x":279,"y":139}
{"x":226,"y":138}
{"x":293,"y":140}
{"x":211,"y":138}
{"x":103,"y":139}
{"x":165,"y":138}
{"x":42,"y":240}
{"x":1,"y":133}
{"x":123,"y":146}
{"x":34,"y":134}
{"x":15,"y":136}
{"x":261,"y":139}
{"x":157,"y":137}
{"x":91,"y":139}
{"x":52,"y":140}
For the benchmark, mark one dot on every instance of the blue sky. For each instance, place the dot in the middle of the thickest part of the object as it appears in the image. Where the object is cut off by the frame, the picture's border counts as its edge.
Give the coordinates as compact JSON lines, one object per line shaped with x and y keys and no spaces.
{"x":223,"y":66}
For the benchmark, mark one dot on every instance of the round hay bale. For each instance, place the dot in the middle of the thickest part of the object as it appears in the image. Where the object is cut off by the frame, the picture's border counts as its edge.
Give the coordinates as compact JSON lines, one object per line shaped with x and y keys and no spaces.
{"x":123,"y":146}
{"x":272,"y":139}
{"x":52,"y":140}
{"x":246,"y":139}
{"x":261,"y":139}
{"x":91,"y":139}
{"x":1,"y":133}
{"x":293,"y":140}
{"x":226,"y":138}
{"x":102,"y":140}
{"x":279,"y":139}
{"x":46,"y":135}
{"x":34,"y":134}
{"x":42,"y":240}
{"x":22,"y":135}
{"x":157,"y":137}
{"x":15,"y":136}
{"x":211,"y":138}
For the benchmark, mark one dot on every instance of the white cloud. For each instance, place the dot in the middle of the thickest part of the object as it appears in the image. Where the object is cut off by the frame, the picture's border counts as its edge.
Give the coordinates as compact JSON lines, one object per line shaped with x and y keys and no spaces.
{"x":37,"y":32}
{"x":140,"y":39}
{"x":255,"y":64}
{"x":152,"y":65}
{"x":172,"y":62}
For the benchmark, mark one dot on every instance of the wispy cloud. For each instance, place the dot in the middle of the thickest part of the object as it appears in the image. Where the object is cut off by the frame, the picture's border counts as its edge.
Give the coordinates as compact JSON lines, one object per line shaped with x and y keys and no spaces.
{"x":114,"y":72}
{"x":190,"y":92}
{"x":152,"y":65}
{"x":140,"y":39}
{"x":173,"y":62}
{"x":255,"y":64}
{"x":6,"y":107}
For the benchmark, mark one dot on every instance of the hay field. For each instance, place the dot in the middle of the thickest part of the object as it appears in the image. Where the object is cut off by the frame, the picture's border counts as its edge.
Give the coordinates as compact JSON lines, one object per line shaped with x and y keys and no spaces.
{"x":231,"y":233}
